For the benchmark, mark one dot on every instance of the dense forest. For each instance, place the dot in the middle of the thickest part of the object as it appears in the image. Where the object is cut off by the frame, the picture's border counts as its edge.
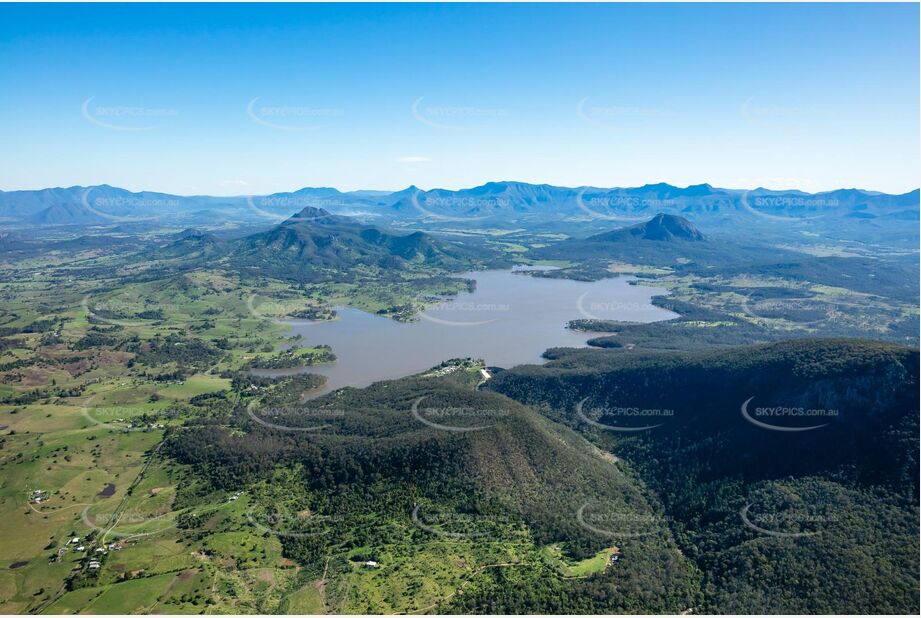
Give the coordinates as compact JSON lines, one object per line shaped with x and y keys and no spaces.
{"x":823,"y":519}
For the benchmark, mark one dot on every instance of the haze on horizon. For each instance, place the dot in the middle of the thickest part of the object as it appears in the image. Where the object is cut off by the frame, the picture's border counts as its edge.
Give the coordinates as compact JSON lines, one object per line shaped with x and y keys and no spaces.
{"x":252,"y":100}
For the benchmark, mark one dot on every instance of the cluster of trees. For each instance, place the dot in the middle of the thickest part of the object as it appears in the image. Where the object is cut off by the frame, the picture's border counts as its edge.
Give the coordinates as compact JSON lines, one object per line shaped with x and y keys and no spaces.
{"x":294,"y":357}
{"x":190,"y":354}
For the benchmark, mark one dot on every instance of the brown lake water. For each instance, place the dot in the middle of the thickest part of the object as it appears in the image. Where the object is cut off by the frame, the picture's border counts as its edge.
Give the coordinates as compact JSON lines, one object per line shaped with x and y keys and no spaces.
{"x":510,"y":319}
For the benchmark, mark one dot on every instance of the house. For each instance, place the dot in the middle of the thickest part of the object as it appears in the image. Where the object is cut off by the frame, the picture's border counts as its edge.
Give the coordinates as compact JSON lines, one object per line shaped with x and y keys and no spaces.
{"x":372,"y":564}
{"x":80,"y":548}
{"x":94,"y":564}
{"x":76,"y":539}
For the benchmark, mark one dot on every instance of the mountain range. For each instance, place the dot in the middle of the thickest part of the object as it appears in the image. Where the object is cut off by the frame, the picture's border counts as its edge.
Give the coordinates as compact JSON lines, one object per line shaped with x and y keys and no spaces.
{"x":491,"y":203}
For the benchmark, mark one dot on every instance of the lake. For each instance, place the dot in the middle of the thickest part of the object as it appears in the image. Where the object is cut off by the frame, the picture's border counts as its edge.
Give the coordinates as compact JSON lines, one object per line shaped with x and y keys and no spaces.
{"x":510,"y":319}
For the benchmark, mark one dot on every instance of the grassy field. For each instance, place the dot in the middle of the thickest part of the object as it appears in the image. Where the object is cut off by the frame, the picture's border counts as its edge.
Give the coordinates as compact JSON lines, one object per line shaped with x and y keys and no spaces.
{"x":582,"y":568}
{"x":307,"y":600}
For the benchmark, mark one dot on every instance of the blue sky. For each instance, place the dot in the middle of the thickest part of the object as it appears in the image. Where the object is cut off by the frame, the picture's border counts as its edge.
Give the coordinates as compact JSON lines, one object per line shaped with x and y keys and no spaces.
{"x":240,"y":99}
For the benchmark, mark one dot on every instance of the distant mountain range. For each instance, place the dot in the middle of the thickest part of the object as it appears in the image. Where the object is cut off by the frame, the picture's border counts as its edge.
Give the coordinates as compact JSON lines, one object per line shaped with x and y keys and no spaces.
{"x":491,"y":203}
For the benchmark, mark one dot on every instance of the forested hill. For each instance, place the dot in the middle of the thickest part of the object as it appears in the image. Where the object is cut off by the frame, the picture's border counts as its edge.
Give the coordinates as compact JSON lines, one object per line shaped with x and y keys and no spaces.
{"x":313,"y":243}
{"x":814,"y":441}
{"x":489,"y":474}
{"x":328,"y":240}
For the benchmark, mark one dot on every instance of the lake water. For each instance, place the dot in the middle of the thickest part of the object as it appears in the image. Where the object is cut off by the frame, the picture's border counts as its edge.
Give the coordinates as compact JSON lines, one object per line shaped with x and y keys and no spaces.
{"x":509,"y":320}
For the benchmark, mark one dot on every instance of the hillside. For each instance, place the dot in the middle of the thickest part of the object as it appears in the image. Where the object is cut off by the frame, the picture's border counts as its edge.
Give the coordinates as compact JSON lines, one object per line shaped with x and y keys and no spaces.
{"x":661,"y":227}
{"x":314,"y":240}
{"x":461,"y":466}
{"x":665,"y":241}
{"x":193,"y":244}
{"x":818,"y":437}
{"x":765,"y":517}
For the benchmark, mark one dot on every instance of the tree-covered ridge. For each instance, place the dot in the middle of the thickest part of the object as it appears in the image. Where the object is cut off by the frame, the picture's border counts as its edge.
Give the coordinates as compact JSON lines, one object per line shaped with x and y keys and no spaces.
{"x":819,"y":520}
{"x":514,"y":473}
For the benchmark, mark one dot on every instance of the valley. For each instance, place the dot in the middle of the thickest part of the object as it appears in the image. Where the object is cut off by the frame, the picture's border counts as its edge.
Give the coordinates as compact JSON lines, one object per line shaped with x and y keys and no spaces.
{"x":330,"y":416}
{"x":430,"y":308}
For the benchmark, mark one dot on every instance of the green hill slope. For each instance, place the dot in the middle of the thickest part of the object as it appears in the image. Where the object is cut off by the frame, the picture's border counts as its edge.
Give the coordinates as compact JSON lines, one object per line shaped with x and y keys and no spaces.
{"x":314,"y":240}
{"x":788,"y":471}
{"x":430,"y":462}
